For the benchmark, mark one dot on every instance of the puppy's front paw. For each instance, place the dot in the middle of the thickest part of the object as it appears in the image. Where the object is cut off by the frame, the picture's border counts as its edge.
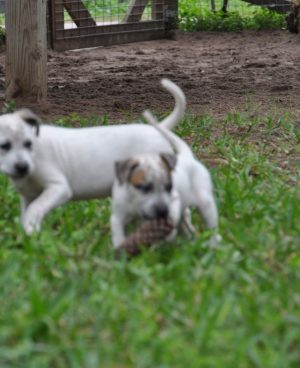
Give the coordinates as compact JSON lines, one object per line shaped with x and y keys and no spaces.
{"x":32,"y":222}
{"x":215,"y":240}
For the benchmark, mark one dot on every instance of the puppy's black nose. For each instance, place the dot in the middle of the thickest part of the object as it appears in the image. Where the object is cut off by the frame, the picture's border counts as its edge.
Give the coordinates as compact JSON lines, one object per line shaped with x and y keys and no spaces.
{"x":21,"y":168}
{"x":161,"y":211}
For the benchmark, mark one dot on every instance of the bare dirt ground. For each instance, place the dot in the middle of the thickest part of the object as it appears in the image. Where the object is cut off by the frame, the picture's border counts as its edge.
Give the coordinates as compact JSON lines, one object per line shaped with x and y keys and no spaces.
{"x":219,"y":72}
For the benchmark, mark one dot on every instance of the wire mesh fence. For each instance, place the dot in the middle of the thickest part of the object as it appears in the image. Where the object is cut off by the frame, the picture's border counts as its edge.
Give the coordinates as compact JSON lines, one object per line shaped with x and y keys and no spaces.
{"x":86,"y":23}
{"x":79,"y":12}
{"x":243,"y":7}
{"x":104,"y":12}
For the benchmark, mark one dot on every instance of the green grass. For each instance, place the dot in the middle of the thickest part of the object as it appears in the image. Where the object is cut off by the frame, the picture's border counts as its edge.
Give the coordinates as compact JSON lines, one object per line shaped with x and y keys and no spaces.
{"x":66,"y":302}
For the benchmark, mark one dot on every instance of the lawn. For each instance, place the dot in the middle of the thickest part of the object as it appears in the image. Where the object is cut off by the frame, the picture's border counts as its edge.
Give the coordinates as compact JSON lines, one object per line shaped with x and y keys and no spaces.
{"x":66,"y":302}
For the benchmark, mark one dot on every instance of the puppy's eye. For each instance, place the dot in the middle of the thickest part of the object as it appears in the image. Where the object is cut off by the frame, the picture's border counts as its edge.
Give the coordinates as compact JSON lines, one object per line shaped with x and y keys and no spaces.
{"x":145,"y":188}
{"x":168,"y":187}
{"x":28,"y":144}
{"x":5,"y":146}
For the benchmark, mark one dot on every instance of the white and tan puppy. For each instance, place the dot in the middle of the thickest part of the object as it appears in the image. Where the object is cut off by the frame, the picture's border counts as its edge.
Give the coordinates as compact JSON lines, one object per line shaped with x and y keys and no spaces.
{"x":164,"y":185}
{"x":50,"y":165}
{"x":142,"y":190}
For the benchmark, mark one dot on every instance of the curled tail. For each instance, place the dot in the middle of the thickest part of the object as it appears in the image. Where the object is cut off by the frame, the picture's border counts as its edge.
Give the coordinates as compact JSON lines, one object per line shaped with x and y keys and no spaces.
{"x":178,"y":145}
{"x":177,"y":114}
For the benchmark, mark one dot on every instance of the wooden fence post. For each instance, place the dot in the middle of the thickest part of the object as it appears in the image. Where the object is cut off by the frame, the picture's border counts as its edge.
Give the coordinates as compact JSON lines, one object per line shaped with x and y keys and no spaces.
{"x":26,"y":49}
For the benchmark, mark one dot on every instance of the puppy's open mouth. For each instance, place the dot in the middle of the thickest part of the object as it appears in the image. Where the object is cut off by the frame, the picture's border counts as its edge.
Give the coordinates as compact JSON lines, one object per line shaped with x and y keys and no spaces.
{"x":18,"y":176}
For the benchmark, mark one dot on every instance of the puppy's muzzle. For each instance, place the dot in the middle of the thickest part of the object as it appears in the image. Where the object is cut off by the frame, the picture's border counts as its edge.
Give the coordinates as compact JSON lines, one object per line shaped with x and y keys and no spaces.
{"x":161,"y":211}
{"x":21,"y":169}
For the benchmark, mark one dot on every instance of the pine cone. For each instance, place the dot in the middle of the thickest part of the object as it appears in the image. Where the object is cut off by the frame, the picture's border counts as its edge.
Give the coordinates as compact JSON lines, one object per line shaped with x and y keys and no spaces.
{"x":150,"y":232}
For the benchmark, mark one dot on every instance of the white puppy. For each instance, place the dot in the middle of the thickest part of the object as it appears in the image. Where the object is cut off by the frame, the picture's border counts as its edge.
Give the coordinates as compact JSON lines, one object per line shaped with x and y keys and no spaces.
{"x":51,"y":165}
{"x":165,"y":185}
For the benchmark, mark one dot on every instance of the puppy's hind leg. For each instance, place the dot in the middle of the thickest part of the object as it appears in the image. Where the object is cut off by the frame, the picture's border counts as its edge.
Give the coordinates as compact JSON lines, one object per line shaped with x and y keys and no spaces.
{"x":206,"y":205}
{"x":186,"y":224}
{"x":208,"y":209}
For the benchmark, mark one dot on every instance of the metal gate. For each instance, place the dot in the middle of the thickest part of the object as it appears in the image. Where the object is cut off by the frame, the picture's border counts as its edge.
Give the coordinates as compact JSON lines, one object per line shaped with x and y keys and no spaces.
{"x":88,"y":23}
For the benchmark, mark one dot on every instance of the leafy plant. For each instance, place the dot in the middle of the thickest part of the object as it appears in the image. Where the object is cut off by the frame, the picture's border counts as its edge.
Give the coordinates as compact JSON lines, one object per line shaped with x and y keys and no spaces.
{"x":195,"y":18}
{"x":2,"y":36}
{"x":9,"y":106}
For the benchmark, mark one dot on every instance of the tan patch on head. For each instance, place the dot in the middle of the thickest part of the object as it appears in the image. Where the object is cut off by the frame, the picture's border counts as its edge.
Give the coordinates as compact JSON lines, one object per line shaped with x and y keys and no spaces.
{"x":137,"y":177}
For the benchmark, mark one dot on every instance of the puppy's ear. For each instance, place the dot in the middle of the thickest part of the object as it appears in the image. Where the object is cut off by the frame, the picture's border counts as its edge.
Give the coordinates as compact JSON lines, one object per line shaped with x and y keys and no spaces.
{"x":170,"y":160}
{"x":30,"y":118}
{"x":124,"y":169}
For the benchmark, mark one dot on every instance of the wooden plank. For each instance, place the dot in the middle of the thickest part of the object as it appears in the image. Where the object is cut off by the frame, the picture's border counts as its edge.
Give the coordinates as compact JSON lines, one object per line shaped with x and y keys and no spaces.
{"x":2,"y":6}
{"x":79,"y":13}
{"x":171,"y":15}
{"x":26,"y":49}
{"x":108,"y":39}
{"x":135,"y":11}
{"x":280,"y":6}
{"x":57,"y":9}
{"x":112,"y":29}
{"x":157,"y":9}
{"x":57,"y":22}
{"x":49,"y":25}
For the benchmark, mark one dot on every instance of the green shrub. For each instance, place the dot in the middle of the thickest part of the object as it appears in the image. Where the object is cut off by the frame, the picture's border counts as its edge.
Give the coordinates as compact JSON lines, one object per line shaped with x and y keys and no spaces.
{"x":267,"y":19}
{"x":193,"y":18}
{"x":2,"y":36}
